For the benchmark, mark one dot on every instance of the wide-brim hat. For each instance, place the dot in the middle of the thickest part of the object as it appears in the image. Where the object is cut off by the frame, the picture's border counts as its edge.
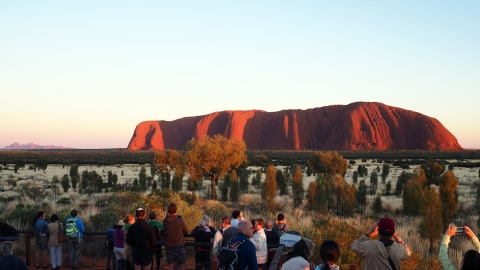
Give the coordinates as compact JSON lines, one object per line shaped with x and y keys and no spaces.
{"x":121,"y":223}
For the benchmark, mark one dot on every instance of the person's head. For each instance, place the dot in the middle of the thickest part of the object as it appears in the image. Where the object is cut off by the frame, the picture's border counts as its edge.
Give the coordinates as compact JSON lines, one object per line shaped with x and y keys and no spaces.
{"x":140,"y":213}
{"x":245,"y":227}
{"x":41,"y":215}
{"x":120,"y":224}
{"x":235,"y":214}
{"x":259,"y":223}
{"x":280,"y":218}
{"x":386,"y":227}
{"x":7,"y":248}
{"x":54,"y":218}
{"x":129,"y":219}
{"x":226,"y":222}
{"x":207,"y":220}
{"x":172,"y":209}
{"x":268,"y":225}
{"x":329,"y":252}
{"x":202,"y":223}
{"x":152,"y":216}
{"x":74,"y":213}
{"x":471,"y":259}
{"x":310,"y":245}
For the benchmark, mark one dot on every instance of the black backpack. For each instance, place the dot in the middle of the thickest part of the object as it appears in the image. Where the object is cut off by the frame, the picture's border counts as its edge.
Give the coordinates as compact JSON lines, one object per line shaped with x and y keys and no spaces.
{"x":228,"y":255}
{"x":109,"y":241}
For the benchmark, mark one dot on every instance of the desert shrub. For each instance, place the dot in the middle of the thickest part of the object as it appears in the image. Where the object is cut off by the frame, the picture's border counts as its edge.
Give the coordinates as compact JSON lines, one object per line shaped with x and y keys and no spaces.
{"x":215,"y":210}
{"x":102,"y":221}
{"x":23,"y":215}
{"x":189,"y":197}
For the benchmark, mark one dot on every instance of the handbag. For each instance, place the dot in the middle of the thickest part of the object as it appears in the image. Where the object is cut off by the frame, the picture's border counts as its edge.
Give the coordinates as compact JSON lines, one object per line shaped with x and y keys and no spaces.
{"x":61,"y":236}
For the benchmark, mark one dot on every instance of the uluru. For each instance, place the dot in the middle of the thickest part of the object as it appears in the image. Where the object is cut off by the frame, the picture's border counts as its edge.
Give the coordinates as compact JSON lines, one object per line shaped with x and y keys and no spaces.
{"x":356,"y":126}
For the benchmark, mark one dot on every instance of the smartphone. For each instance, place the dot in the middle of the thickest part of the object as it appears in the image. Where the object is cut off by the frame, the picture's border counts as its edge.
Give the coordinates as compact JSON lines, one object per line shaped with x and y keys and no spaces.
{"x":460,"y":230}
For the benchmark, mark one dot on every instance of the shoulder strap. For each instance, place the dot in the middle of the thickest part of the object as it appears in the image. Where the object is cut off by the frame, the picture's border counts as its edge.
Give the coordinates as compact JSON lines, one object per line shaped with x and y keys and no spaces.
{"x":392,"y":265}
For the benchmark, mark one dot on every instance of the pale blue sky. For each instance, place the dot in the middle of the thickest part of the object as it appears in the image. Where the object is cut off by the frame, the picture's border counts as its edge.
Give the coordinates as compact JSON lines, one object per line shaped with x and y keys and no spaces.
{"x":83,"y":74}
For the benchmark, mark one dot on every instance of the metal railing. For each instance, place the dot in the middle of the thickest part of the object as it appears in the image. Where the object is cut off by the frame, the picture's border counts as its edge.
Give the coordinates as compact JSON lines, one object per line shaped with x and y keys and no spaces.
{"x":93,"y":248}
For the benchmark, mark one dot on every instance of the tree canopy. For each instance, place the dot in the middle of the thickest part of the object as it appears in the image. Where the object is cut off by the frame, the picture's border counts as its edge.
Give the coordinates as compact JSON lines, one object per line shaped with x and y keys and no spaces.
{"x":328,"y":163}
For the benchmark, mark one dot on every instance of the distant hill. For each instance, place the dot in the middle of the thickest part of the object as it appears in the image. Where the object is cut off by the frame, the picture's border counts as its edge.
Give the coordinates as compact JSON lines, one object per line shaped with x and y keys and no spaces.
{"x":356,"y":126}
{"x":16,"y":145}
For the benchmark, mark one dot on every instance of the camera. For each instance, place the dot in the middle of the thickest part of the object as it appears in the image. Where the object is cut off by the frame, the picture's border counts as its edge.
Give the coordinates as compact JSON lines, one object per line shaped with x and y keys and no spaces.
{"x":460,"y":230}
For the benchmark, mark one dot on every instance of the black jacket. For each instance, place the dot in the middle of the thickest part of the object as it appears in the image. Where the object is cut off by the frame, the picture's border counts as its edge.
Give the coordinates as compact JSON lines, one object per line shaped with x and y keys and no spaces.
{"x":141,"y":236}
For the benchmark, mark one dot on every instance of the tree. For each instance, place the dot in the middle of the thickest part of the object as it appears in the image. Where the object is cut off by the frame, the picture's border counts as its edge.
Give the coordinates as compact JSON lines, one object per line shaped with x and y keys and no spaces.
{"x":73,"y":171}
{"x":349,"y":199}
{"x":258,"y":178}
{"x":339,"y":185}
{"x":362,"y":170}
{"x":321,"y":199}
{"x":413,"y":194}
{"x":234,"y":190}
{"x":374,"y":180}
{"x":74,"y":182}
{"x":41,"y":164}
{"x":142,"y":177}
{"x":65,"y":182}
{"x":362,"y":195}
{"x":328,"y":163}
{"x":224,"y":185}
{"x":311,"y":195}
{"x":433,"y":170}
{"x":431,"y":224}
{"x":355,"y":177}
{"x":114,"y":179}
{"x":385,"y":172}
{"x":99,"y":183}
{"x":281,"y":182}
{"x":270,"y":187}
{"x":388,"y":187}
{"x":164,"y":162}
{"x":448,"y":196}
{"x":297,"y":187}
{"x":214,"y":157}
{"x":377,"y":205}
{"x":177,"y":184}
{"x":110,"y":178}
{"x":18,"y":164}
{"x":243,"y":181}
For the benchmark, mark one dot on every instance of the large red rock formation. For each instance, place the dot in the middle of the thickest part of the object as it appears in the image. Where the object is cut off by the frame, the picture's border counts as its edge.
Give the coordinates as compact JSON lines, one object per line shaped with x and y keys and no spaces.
{"x":356,"y":126}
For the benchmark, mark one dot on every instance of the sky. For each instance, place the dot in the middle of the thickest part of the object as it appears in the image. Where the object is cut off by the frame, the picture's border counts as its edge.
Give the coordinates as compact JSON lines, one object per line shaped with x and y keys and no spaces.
{"x":83,"y":74}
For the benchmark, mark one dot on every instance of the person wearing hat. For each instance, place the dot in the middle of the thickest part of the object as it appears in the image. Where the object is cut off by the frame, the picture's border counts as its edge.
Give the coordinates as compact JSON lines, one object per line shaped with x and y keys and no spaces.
{"x":141,"y":236}
{"x":118,"y":246}
{"x":383,"y":253}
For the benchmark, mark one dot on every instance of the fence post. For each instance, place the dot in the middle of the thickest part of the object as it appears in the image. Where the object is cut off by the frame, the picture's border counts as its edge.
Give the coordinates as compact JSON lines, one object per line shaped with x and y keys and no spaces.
{"x":28,"y":249}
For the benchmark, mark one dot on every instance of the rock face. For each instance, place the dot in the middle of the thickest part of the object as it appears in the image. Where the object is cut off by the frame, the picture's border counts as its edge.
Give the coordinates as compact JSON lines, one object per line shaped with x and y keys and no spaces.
{"x":356,"y":126}
{"x":16,"y":145}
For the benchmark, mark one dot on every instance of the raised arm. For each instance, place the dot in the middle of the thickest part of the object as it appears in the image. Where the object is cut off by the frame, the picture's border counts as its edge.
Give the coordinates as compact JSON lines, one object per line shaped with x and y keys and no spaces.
{"x":443,"y":254}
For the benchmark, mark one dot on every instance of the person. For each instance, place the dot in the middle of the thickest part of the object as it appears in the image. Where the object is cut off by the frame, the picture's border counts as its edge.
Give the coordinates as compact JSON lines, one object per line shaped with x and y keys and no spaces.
{"x":157,"y":226}
{"x":237,"y":215}
{"x":471,"y":258}
{"x":111,"y":260}
{"x":218,"y":238}
{"x":247,"y":258}
{"x":74,"y":235}
{"x":9,"y":261}
{"x":297,"y":257}
{"x":280,"y":224}
{"x":129,"y":221}
{"x":385,"y":253}
{"x":54,"y":228}
{"x":174,"y":230}
{"x":329,"y":253}
{"x":118,"y":244}
{"x":203,"y":233}
{"x":141,"y":236}
{"x":272,"y":237}
{"x":41,"y":231}
{"x":259,"y":240}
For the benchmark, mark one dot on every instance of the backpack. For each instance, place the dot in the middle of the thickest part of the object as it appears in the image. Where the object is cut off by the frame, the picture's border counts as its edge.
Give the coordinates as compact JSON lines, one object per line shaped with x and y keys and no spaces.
{"x":228,"y":255}
{"x":109,"y":241}
{"x":71,"y":228}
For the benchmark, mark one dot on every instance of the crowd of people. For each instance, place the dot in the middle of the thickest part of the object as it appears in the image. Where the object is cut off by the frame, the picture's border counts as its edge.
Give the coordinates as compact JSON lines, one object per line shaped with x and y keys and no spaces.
{"x":135,"y":243}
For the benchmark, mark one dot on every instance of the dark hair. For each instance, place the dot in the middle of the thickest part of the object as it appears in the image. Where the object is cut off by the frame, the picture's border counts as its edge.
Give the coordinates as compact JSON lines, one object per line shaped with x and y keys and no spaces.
{"x":36,"y":217}
{"x":152,"y":215}
{"x":54,"y":218}
{"x":235,"y":214}
{"x":280,"y":217}
{"x":172,"y":208}
{"x":329,"y":252}
{"x":74,"y":213}
{"x":470,"y":260}
{"x":253,"y":223}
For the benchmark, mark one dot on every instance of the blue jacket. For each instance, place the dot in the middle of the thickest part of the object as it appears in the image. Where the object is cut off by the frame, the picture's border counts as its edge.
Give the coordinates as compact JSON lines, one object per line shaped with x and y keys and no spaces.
{"x":41,"y":225}
{"x":80,"y":227}
{"x":247,"y":257}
